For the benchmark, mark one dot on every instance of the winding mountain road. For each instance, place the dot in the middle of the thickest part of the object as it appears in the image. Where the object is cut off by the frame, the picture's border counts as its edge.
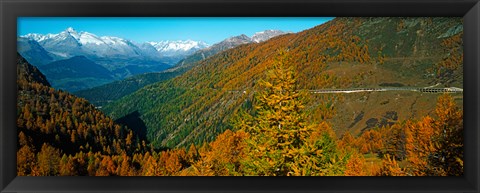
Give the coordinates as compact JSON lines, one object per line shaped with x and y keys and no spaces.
{"x":415,"y":89}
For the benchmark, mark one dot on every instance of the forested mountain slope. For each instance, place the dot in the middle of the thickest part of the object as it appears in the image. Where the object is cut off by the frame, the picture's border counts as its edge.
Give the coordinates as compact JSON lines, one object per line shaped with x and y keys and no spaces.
{"x":52,"y":123}
{"x":343,"y":53}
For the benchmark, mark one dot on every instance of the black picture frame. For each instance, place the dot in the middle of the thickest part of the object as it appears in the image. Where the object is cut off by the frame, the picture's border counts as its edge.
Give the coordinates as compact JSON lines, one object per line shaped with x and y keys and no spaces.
{"x":11,"y":9}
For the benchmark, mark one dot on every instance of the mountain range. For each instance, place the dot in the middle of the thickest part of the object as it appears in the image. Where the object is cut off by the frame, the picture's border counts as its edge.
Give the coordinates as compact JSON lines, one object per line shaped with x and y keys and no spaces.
{"x":101,"y":95}
{"x":122,"y":57}
{"x":70,"y":43}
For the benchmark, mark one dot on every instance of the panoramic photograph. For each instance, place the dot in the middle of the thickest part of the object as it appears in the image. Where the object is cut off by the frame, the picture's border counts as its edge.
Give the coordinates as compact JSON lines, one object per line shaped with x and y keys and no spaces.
{"x":240,"y":96}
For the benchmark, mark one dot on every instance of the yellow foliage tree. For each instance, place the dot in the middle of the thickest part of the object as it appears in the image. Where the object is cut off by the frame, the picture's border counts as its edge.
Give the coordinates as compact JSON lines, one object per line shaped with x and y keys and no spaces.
{"x":281,"y":141}
{"x":419,"y":145}
{"x":355,"y":165}
{"x":390,"y":167}
{"x":448,"y":139}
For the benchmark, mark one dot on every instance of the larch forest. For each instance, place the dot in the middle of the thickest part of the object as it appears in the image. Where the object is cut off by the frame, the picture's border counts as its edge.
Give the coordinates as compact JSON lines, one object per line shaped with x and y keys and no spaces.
{"x":252,"y":111}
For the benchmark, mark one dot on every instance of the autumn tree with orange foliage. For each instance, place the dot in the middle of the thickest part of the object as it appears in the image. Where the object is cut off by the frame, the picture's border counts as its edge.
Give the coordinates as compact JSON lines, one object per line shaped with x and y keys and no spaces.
{"x":222,"y":157}
{"x":390,"y":167}
{"x":448,"y":139}
{"x":394,"y":141}
{"x":355,"y":165}
{"x":25,"y":156}
{"x":419,"y":145}
{"x":281,"y":142}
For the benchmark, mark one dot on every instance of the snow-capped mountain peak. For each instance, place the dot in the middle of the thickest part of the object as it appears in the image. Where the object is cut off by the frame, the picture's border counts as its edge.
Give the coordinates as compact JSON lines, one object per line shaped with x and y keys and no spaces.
{"x":113,"y":40}
{"x":241,"y":38}
{"x":38,"y":37}
{"x":265,"y":35}
{"x":178,"y":47}
{"x":73,"y":42}
{"x":88,"y":38}
{"x":80,"y":37}
{"x":70,"y":30}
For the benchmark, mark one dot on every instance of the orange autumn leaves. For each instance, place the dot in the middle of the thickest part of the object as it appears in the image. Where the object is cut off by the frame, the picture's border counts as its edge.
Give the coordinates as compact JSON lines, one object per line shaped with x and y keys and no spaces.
{"x":432,"y":146}
{"x":274,"y":139}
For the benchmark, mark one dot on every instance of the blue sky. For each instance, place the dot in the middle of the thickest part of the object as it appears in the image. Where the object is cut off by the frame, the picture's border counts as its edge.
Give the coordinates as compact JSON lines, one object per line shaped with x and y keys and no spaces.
{"x":142,"y":29}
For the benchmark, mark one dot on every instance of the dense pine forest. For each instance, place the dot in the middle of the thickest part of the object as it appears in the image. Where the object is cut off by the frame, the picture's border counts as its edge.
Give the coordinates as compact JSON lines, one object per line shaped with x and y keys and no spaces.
{"x":250,"y":110}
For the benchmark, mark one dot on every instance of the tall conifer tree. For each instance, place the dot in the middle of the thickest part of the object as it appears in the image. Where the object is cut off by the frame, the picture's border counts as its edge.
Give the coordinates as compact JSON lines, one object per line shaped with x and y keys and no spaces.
{"x":281,"y":142}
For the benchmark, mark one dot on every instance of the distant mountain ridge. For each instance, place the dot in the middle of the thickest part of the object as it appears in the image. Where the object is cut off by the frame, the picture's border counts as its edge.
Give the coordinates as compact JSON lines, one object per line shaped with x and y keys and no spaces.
{"x":110,"y":92}
{"x":178,"y":47}
{"x":76,"y":73}
{"x":34,"y":52}
{"x":266,"y":35}
{"x":121,"y":57}
{"x":226,"y":44}
{"x":69,"y":43}
{"x":84,"y":43}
